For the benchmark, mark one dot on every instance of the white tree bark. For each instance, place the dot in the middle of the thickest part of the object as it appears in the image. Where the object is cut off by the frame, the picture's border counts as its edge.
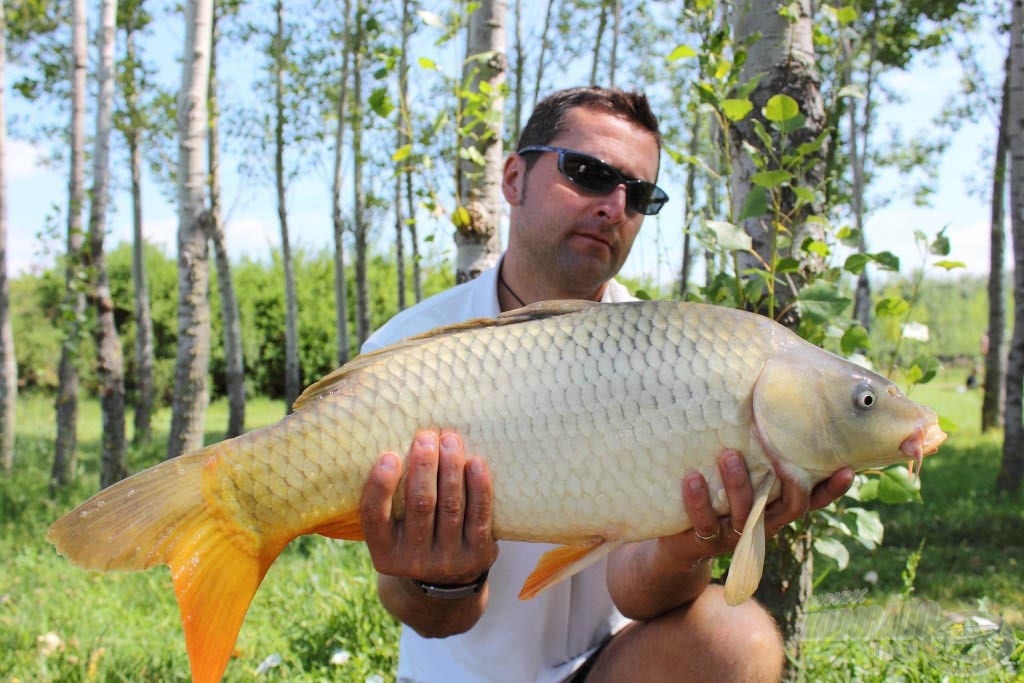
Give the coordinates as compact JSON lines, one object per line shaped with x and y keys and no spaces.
{"x":477,"y":237}
{"x":193,"y":359}
{"x":1012,"y":470}
{"x":110,"y":360}
{"x":74,"y":298}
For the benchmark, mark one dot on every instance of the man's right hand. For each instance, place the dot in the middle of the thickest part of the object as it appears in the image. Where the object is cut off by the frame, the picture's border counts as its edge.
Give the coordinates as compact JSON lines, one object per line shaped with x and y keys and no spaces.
{"x":443,"y":536}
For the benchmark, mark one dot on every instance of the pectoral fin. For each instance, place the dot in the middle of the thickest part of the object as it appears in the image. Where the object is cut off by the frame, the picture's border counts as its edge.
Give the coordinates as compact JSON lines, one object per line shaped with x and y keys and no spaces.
{"x":748,"y":558}
{"x":563,"y":562}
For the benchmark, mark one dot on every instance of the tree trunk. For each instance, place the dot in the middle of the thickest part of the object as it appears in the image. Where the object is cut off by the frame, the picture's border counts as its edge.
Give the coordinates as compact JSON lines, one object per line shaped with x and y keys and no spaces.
{"x":602,"y":23}
{"x":110,"y":362}
{"x":545,"y":44}
{"x":144,"y":395}
{"x":404,"y":137}
{"x":992,"y":401}
{"x":359,"y":193}
{"x":292,"y":377}
{"x":65,"y":448}
{"x":479,"y":185}
{"x":689,"y":215}
{"x":784,"y":58}
{"x":1011,"y":471}
{"x":193,"y":359}
{"x":232,"y":320}
{"x":340,"y":286}
{"x":8,"y":366}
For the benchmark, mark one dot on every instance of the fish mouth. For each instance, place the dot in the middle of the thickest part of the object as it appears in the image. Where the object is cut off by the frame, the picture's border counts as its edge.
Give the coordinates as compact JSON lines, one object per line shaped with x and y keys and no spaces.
{"x":924,"y":441}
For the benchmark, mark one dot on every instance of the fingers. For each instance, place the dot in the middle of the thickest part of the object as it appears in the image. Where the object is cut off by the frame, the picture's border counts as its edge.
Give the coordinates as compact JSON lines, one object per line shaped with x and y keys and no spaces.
{"x":738,"y":488}
{"x":443,"y":534}
{"x":832,"y":488}
{"x":707,"y":528}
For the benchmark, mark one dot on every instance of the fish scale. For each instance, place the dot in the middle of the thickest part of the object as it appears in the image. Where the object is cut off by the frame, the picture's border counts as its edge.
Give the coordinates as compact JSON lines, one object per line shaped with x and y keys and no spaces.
{"x":588,"y":415}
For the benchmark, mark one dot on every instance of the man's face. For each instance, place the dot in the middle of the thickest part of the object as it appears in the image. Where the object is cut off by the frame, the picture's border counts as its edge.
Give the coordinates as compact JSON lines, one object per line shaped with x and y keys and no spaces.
{"x":563,"y":233}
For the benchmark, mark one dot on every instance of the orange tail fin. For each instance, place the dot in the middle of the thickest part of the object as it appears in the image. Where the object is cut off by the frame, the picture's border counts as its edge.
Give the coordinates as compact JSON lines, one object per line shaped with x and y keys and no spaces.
{"x":159,"y":516}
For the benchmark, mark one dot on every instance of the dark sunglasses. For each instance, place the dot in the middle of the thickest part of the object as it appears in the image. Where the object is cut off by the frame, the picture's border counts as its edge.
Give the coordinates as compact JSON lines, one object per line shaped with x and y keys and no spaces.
{"x":595,"y":175}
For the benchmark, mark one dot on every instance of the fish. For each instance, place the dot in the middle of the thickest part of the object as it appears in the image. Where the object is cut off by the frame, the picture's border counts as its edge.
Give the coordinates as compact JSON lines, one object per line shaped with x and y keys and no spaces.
{"x":587,"y":414}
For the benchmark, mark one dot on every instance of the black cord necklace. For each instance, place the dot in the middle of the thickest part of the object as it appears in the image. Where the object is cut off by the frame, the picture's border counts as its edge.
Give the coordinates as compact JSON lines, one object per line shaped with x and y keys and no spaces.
{"x":504,"y":284}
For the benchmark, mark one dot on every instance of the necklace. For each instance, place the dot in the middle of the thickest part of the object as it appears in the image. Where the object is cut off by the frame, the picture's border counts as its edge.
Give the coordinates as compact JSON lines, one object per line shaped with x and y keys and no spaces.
{"x":504,"y":284}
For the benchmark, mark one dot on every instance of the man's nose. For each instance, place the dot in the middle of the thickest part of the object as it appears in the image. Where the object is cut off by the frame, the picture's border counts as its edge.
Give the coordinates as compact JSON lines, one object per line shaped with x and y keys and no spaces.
{"x":612,"y":206}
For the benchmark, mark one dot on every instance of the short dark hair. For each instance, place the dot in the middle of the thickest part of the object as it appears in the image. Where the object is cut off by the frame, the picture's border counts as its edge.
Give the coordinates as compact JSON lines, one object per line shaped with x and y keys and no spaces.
{"x":548,"y":118}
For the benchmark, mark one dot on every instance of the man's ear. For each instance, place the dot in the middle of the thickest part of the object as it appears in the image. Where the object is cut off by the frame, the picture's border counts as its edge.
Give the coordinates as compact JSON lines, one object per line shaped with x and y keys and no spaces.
{"x":513,"y":179}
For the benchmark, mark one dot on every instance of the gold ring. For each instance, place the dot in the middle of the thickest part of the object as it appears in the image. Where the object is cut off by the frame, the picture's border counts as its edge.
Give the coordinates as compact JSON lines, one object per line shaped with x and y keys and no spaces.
{"x":711,"y":538}
{"x":738,"y":533}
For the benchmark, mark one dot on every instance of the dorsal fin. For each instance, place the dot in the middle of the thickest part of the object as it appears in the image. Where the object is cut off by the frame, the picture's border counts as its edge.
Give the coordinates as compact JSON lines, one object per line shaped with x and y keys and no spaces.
{"x":535,"y":311}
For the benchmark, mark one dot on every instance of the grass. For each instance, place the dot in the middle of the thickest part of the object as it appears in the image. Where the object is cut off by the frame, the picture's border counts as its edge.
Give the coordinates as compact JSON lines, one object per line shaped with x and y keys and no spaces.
{"x":318,"y":603}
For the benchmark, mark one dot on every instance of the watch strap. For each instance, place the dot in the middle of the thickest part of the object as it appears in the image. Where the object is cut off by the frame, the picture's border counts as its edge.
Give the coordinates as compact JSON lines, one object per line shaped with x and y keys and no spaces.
{"x":452,"y":591}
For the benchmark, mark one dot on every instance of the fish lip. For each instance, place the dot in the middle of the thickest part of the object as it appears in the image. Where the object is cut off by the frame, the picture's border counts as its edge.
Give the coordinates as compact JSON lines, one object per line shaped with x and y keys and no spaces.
{"x":925,"y":440}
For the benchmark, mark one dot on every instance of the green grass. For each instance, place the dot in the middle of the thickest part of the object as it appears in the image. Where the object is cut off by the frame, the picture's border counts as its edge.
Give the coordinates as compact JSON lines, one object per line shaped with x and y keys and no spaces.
{"x":319,"y":599}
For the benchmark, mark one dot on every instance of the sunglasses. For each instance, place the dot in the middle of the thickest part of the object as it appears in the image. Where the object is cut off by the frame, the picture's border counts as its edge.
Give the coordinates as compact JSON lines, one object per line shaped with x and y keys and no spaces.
{"x":599,"y":177}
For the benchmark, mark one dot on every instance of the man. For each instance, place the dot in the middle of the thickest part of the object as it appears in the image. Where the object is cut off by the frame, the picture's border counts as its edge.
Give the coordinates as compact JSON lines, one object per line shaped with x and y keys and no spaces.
{"x":578,"y":187}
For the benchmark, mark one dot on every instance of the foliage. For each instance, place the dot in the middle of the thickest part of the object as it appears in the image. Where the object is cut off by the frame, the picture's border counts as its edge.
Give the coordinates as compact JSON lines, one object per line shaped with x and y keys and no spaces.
{"x":36,"y":303}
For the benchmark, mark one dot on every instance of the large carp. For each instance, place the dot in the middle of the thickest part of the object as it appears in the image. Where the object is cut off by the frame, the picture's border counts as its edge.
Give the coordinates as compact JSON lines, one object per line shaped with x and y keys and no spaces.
{"x":588,"y":416}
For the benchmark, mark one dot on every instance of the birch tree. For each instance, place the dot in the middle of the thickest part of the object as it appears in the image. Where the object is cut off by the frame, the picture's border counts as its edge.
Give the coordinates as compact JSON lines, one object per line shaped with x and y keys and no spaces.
{"x":341,"y":109}
{"x":1011,"y":471}
{"x":232,"y":320}
{"x":131,"y":124}
{"x":478,"y":174}
{"x":783,"y":61}
{"x":8,"y":366}
{"x":193,"y":358}
{"x":65,"y":447}
{"x":110,"y":362}
{"x":992,"y":392}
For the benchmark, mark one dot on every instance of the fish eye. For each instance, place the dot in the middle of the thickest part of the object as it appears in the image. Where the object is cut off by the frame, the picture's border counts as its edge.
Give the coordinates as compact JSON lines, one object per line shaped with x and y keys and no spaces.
{"x":864,"y":397}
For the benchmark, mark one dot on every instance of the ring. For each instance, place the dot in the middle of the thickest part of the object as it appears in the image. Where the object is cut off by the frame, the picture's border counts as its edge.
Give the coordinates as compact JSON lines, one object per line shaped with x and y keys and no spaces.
{"x":738,"y":533}
{"x":711,"y":538}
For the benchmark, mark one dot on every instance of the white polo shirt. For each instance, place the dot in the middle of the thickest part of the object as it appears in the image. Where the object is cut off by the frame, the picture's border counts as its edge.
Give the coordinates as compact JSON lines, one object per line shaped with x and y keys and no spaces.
{"x":544,"y":639}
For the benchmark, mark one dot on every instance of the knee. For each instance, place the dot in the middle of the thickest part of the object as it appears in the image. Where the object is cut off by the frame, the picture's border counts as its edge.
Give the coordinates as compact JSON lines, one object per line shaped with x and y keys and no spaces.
{"x":744,"y":639}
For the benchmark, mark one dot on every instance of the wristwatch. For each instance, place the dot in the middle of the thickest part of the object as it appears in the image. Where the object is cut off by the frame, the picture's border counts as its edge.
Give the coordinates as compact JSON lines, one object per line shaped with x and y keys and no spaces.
{"x":452,"y":592}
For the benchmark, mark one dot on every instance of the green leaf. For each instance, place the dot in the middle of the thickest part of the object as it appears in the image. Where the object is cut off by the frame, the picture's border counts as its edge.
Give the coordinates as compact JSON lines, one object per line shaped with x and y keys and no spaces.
{"x":893,"y":306}
{"x":771,"y":178}
{"x":756,"y":203}
{"x":805,"y":195}
{"x":950,"y":265}
{"x":887,"y":260}
{"x":846,"y":15}
{"x":461,"y":218}
{"x":927,"y":367}
{"x":868,"y":491}
{"x":821,"y":301}
{"x":947,"y":425}
{"x":854,"y":339}
{"x":681,"y":52}
{"x":855,"y":263}
{"x":402,"y":153}
{"x":427,"y":63}
{"x":642,"y":294}
{"x":870,"y":530}
{"x":380,"y":102}
{"x":792,"y":124}
{"x":816,"y":247}
{"x":830,"y":547}
{"x":787,"y":265}
{"x":729,"y":236}
{"x":781,"y":108}
{"x":895,"y":487}
{"x":736,"y":110}
{"x":940,"y":245}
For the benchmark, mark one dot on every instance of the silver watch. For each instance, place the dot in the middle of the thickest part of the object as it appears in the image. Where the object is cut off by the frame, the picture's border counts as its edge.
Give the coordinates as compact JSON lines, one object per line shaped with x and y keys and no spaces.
{"x":452,"y":592}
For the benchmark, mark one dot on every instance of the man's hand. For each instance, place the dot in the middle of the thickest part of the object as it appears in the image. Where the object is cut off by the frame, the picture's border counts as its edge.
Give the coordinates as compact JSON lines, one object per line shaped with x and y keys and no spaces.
{"x":442,"y":535}
{"x":712,"y":535}
{"x":652,"y":577}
